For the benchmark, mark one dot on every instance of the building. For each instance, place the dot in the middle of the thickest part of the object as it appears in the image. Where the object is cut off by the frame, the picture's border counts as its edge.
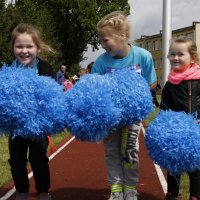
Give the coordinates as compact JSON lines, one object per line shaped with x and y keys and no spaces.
{"x":153,"y":43}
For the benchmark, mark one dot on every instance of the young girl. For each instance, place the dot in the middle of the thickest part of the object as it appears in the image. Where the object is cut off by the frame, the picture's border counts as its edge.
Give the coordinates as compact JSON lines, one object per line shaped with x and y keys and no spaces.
{"x":27,"y":44}
{"x":60,"y":74}
{"x":89,"y":67}
{"x":182,"y":93}
{"x":114,"y":32}
{"x":67,"y":82}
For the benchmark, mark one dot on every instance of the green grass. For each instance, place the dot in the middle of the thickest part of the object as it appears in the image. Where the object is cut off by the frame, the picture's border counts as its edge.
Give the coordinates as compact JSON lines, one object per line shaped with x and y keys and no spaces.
{"x":151,"y":116}
{"x":59,"y":137}
{"x":4,"y":166}
{"x":184,"y":187}
{"x":5,"y":174}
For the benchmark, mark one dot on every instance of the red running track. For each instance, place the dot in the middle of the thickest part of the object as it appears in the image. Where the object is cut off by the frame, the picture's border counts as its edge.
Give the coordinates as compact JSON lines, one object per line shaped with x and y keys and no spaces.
{"x":78,"y":173}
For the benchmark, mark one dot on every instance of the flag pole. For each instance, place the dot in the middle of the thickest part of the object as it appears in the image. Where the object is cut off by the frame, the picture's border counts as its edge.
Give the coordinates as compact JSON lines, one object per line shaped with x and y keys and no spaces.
{"x":166,"y":37}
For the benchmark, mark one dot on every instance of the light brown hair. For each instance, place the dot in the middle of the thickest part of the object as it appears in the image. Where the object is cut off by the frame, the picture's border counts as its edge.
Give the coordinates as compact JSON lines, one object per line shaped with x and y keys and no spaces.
{"x":117,"y":20}
{"x":192,"y":47}
{"x":35,"y":34}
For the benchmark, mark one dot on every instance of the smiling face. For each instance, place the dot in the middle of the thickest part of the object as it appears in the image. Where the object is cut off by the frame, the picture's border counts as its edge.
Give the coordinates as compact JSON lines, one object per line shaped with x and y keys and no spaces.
{"x":179,"y":56}
{"x":115,"y":44}
{"x":25,"y":50}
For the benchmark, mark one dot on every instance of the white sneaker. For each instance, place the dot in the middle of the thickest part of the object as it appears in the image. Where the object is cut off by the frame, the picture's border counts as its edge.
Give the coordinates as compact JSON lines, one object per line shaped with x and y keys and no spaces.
{"x":130,"y":195}
{"x":116,"y":196}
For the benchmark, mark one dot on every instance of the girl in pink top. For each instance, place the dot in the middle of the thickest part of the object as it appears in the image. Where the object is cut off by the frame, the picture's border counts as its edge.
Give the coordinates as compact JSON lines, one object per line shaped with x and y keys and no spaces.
{"x":67,"y":83}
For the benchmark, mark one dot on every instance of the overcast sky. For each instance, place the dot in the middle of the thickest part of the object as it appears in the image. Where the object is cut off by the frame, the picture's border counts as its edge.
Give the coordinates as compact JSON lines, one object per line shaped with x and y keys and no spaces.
{"x":146,"y":19}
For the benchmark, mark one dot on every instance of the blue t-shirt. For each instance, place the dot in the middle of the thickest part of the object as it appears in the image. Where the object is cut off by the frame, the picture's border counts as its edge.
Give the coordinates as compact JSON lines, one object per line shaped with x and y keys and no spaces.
{"x":138,"y":59}
{"x":16,"y":63}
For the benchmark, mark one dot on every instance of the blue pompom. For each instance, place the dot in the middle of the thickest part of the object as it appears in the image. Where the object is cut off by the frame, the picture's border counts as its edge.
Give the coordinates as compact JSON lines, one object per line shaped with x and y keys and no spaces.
{"x":173,"y":142}
{"x":30,"y":105}
{"x":132,"y":95}
{"x":90,"y":110}
{"x":36,"y":106}
{"x":99,"y":103}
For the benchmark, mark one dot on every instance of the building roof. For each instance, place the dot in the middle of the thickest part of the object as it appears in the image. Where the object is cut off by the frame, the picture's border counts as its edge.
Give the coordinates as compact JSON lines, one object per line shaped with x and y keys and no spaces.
{"x":143,"y":37}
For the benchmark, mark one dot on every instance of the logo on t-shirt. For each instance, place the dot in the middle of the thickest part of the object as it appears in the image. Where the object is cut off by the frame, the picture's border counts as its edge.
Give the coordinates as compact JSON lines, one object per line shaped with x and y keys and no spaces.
{"x":134,"y":67}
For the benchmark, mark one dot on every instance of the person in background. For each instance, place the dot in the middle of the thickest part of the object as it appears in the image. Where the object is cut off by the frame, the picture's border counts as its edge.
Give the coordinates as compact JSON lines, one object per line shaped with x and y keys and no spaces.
{"x":82,"y":71}
{"x":67,"y":82}
{"x":60,"y":74}
{"x":27,"y":44}
{"x":89,"y":67}
{"x":182,"y":93}
{"x":114,"y":33}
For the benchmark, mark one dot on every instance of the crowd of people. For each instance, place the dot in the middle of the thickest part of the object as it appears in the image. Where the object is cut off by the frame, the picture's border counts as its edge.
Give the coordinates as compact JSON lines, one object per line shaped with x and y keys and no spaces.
{"x":180,"y":93}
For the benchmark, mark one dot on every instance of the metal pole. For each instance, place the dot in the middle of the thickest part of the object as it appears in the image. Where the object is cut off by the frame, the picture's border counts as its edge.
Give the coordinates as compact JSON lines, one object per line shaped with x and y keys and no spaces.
{"x":166,"y":37}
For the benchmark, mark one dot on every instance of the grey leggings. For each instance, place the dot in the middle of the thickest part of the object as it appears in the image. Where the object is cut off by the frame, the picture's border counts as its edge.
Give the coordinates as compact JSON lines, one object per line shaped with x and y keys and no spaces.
{"x":119,"y":171}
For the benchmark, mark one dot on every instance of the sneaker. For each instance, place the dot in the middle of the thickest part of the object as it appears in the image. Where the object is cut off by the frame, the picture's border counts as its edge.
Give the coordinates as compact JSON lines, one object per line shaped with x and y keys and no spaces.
{"x":116,"y":196}
{"x":44,"y":196}
{"x":170,"y":196}
{"x":21,"y":196}
{"x":130,"y":195}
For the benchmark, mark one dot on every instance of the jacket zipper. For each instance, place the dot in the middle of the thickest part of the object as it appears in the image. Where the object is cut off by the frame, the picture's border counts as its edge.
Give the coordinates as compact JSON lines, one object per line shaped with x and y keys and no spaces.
{"x":190,"y":97}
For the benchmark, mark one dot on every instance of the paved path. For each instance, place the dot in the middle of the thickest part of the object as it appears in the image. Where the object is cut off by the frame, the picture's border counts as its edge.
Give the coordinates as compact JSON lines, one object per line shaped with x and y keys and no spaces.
{"x":78,"y":173}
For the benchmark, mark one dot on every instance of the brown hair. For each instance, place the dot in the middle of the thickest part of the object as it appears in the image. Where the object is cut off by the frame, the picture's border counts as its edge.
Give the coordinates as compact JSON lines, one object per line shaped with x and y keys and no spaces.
{"x":117,"y":20}
{"x":192,"y":47}
{"x":35,"y":34}
{"x":67,"y":75}
{"x":89,"y":67}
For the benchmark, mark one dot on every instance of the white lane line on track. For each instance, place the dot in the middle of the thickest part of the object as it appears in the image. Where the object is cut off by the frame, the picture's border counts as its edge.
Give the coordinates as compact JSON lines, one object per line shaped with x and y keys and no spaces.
{"x":12,"y":191}
{"x":160,"y":174}
{"x":161,"y":178}
{"x":158,"y":170}
{"x":61,"y":148}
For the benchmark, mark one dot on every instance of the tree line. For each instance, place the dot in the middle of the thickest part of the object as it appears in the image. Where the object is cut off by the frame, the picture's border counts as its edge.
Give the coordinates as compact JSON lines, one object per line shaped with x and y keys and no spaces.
{"x":69,"y":26}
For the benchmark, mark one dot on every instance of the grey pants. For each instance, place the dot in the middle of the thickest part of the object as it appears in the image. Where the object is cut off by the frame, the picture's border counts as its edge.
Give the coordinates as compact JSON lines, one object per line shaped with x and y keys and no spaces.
{"x":119,"y":171}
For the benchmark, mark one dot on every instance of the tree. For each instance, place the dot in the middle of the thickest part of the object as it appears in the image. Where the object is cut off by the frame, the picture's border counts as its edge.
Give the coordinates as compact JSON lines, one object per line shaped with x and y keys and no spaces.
{"x":68,"y":25}
{"x":26,"y":11}
{"x":5,"y":31}
{"x":75,"y":22}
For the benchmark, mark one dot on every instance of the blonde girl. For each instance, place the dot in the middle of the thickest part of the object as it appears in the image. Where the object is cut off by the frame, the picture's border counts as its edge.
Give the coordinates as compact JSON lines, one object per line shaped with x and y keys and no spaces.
{"x":122,"y":164}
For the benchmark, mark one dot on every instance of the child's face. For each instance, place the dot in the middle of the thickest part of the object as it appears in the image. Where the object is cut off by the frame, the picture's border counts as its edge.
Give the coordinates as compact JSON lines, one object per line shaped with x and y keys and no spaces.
{"x":114,"y":44}
{"x":179,"y":56}
{"x":63,"y":69}
{"x":25,"y":50}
